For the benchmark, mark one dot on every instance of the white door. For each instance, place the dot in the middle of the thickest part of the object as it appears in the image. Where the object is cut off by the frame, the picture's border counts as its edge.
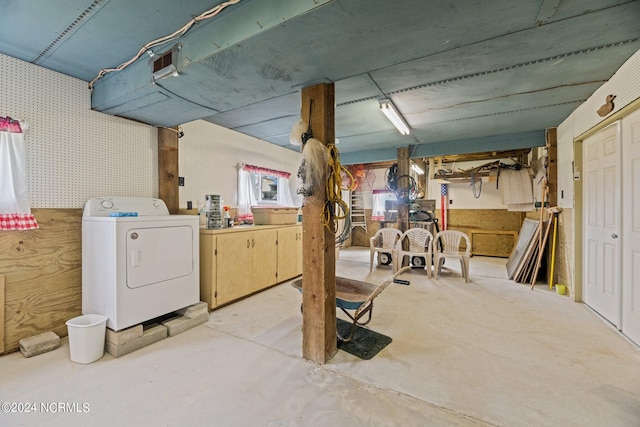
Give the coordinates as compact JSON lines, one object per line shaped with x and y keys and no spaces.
{"x":631,"y":226}
{"x":601,"y":223}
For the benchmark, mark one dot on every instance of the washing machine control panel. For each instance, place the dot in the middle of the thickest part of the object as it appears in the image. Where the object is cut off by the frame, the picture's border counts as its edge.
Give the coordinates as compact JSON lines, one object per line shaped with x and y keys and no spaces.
{"x":124,"y":206}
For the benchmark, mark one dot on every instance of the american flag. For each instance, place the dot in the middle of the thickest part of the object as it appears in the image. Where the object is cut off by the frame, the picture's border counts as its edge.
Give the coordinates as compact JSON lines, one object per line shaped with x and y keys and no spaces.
{"x":444,"y":201}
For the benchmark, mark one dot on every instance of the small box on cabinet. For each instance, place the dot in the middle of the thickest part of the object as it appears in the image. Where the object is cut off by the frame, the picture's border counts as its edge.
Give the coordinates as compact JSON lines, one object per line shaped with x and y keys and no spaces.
{"x":276,"y":215}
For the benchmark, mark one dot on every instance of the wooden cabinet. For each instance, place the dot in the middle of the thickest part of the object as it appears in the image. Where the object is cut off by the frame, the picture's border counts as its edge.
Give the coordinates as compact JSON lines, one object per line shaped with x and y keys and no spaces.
{"x":289,"y":253}
{"x":208,"y":269}
{"x":246,"y":263}
{"x":237,"y":262}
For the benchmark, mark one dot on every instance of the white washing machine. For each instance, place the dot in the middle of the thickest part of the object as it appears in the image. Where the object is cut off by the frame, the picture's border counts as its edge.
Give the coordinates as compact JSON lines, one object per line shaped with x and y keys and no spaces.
{"x":138,"y":261}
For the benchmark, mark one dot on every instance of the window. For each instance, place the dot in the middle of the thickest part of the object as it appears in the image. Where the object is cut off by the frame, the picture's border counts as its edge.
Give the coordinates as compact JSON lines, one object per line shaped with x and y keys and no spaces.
{"x":261,"y":186}
{"x":265,"y":188}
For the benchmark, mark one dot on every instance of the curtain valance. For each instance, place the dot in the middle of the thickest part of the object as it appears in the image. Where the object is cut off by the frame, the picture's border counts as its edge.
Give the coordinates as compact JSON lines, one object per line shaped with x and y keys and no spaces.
{"x":265,"y":171}
{"x":7,"y":124}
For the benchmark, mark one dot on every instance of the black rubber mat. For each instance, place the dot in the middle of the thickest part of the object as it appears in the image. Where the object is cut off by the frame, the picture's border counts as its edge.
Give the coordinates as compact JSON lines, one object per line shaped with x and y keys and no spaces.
{"x":365,"y":343}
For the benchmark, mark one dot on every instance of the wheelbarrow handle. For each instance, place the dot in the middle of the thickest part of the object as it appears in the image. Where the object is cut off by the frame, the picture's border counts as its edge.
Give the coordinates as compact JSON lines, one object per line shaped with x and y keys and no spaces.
{"x":378,"y":290}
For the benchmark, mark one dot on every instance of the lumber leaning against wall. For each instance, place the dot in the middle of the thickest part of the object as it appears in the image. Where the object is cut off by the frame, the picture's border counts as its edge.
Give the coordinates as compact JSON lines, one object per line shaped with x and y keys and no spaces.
{"x":43,"y":275}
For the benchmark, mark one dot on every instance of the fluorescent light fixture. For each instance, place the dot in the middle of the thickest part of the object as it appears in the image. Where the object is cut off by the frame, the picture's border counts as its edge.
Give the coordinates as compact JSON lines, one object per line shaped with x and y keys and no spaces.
{"x":417,"y":169}
{"x":389,"y":110}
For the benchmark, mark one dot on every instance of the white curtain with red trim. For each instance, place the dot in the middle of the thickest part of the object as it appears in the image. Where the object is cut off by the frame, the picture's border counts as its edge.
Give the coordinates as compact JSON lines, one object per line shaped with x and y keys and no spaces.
{"x":284,"y":193}
{"x":15,"y":209}
{"x":379,"y":198}
{"x":246,"y":196}
{"x":246,"y":189}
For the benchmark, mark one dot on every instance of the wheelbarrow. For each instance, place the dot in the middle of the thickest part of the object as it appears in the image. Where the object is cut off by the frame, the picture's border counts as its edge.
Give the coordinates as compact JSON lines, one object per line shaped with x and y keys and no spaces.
{"x":357,"y":296}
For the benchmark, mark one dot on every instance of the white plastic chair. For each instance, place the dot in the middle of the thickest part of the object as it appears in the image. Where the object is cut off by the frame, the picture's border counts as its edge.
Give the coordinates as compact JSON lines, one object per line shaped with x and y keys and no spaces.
{"x":420,"y":245}
{"x":449,"y":247}
{"x":384,"y":241}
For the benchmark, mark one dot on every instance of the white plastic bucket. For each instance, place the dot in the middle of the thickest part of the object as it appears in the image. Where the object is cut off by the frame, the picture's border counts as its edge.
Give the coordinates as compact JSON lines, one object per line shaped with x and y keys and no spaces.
{"x":86,"y":337}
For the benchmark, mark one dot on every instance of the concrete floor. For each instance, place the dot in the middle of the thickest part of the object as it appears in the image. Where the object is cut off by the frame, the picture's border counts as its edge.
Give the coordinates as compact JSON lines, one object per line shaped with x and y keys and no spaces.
{"x":491,"y":352}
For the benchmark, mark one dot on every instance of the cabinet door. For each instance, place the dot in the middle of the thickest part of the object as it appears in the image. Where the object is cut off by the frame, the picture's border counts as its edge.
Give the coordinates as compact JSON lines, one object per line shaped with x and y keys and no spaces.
{"x":208,"y":270}
{"x":289,"y":253}
{"x":263,"y":258}
{"x":234,"y":265}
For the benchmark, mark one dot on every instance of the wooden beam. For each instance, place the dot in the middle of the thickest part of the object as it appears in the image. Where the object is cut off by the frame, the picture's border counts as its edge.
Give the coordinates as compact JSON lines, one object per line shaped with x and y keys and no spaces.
{"x":319,"y":343}
{"x":422,"y":179}
{"x":168,"y":168}
{"x":475,"y":172}
{"x":463,"y":175}
{"x":432,"y":167}
{"x":379,"y":165}
{"x":168,"y":139}
{"x":403,"y":170}
{"x":488,"y":155}
{"x":552,"y":167}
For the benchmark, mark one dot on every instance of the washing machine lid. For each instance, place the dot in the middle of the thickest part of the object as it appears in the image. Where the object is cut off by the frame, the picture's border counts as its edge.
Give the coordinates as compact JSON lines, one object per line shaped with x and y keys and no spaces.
{"x":124,"y":207}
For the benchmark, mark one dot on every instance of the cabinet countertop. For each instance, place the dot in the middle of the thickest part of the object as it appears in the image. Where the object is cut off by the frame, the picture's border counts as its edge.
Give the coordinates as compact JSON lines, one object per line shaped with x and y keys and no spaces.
{"x":241,"y":228}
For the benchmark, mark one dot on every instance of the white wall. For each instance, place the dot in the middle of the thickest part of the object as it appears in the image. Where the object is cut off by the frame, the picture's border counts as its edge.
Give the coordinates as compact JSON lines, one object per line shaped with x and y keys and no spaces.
{"x":74,"y":153}
{"x":461,"y":194}
{"x":208,"y":158}
{"x":565,"y":163}
{"x":625,"y":85}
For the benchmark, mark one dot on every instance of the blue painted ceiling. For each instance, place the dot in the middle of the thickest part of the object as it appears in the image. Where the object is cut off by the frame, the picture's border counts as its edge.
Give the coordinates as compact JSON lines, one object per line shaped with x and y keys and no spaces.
{"x":467,"y":75}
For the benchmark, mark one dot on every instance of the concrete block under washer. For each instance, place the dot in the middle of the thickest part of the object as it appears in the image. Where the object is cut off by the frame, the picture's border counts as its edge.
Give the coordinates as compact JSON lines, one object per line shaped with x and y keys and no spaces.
{"x":124,"y":336}
{"x":194,"y":310}
{"x":149,"y":336}
{"x":39,"y":344}
{"x":181,"y":324}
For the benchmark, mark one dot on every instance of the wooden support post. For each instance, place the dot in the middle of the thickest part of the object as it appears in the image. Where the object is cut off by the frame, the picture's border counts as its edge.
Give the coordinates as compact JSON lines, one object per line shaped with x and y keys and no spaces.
{"x":422,"y":179}
{"x":432,"y":168}
{"x":552,"y":167}
{"x":319,"y":341}
{"x":168,"y":168}
{"x":403,"y":183}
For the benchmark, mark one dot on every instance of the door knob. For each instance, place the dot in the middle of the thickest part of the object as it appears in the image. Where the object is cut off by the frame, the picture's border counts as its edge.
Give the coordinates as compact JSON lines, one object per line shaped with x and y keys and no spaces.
{"x":614,"y":236}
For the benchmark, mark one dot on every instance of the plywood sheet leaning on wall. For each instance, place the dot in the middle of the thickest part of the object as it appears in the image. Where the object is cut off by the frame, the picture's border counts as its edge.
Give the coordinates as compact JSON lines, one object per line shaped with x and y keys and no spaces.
{"x":528,"y":231}
{"x":492,"y":242}
{"x":43,"y":275}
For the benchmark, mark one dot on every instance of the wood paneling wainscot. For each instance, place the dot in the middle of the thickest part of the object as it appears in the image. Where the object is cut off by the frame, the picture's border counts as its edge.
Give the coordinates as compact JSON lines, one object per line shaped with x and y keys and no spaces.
{"x":43,"y":275}
{"x":494,"y":231}
{"x":1,"y":314}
